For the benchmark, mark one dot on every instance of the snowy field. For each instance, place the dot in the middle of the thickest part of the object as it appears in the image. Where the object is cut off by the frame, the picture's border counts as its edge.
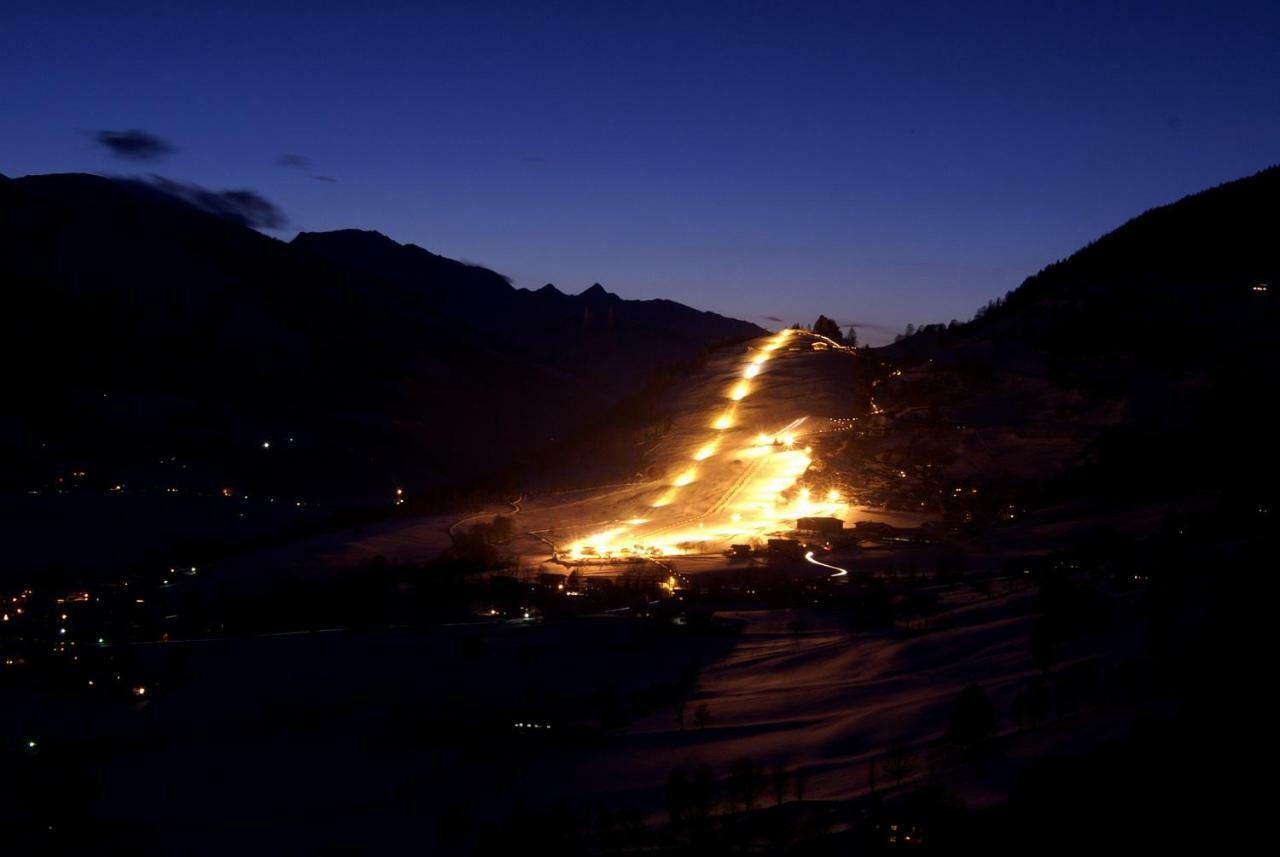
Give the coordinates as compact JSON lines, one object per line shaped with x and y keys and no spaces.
{"x":300,"y":742}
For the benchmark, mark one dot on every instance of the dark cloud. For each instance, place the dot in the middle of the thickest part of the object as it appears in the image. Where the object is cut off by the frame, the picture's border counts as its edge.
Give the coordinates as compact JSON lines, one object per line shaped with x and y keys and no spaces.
{"x":245,"y":207}
{"x":134,"y":145}
{"x":300,"y":162}
{"x":324,"y":178}
{"x":774,"y":318}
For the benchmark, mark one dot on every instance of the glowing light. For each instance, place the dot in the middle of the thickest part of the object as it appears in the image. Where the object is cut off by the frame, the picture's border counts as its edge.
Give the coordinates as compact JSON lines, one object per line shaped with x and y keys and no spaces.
{"x":766,"y":500}
{"x":833,"y":495}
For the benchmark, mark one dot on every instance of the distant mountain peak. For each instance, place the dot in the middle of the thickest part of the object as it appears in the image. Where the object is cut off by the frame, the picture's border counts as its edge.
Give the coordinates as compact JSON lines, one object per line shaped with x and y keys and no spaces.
{"x":351,"y":233}
{"x":597,"y":291}
{"x":365,"y":238}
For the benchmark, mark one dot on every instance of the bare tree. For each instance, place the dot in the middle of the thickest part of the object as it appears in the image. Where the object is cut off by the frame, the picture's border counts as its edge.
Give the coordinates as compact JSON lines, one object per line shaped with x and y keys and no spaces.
{"x":900,"y":761}
{"x":779,"y":778}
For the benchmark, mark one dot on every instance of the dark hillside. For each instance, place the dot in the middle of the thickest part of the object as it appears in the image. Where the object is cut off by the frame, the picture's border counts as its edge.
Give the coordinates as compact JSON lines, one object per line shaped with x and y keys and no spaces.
{"x":1137,"y":366}
{"x":156,"y":348}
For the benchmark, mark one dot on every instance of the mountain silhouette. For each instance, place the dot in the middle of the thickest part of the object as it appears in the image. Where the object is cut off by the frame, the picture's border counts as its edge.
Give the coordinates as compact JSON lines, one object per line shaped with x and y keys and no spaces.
{"x":151,"y":330}
{"x":1135,"y":366}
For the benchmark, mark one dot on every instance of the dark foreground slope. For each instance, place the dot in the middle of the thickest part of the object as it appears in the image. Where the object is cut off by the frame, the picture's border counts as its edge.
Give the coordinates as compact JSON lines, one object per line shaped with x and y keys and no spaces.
{"x":1104,"y":434}
{"x":1139,"y":366}
{"x":159,"y":348}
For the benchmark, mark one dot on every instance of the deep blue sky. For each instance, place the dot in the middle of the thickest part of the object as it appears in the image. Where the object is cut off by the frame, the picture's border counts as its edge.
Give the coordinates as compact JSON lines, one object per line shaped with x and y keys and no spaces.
{"x":884,"y":163}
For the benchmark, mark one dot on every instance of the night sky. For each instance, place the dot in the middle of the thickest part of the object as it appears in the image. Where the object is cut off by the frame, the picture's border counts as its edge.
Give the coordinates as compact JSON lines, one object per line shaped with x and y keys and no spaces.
{"x":881,"y":163}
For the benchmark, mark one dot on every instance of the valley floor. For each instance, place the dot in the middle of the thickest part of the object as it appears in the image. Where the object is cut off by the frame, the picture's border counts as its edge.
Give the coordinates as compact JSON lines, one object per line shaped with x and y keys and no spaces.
{"x":303,"y":742}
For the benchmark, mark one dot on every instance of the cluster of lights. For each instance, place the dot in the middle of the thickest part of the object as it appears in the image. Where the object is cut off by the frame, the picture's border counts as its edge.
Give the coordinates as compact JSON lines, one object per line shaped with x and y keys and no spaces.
{"x":759,"y":508}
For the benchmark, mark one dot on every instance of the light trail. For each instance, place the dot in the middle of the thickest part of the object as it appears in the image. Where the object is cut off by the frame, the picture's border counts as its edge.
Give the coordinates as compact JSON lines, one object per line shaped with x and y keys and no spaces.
{"x":839,"y":572}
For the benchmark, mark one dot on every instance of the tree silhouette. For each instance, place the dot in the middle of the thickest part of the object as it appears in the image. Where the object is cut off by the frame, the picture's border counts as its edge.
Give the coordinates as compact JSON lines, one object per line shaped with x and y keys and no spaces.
{"x":501,"y":529}
{"x":1042,"y":645}
{"x":828,"y":328}
{"x":746,"y":783}
{"x":972,"y":718}
{"x":900,"y":761}
{"x":779,"y":778}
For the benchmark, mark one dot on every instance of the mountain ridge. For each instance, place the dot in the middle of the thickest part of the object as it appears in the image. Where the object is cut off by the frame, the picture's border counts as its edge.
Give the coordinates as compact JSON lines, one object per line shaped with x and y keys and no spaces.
{"x":162,"y":330}
{"x":1128,"y":368}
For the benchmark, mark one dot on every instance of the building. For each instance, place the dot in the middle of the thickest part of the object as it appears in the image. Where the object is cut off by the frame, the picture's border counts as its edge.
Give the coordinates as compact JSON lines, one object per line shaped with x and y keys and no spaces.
{"x":785,"y":549}
{"x":826,"y":526}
